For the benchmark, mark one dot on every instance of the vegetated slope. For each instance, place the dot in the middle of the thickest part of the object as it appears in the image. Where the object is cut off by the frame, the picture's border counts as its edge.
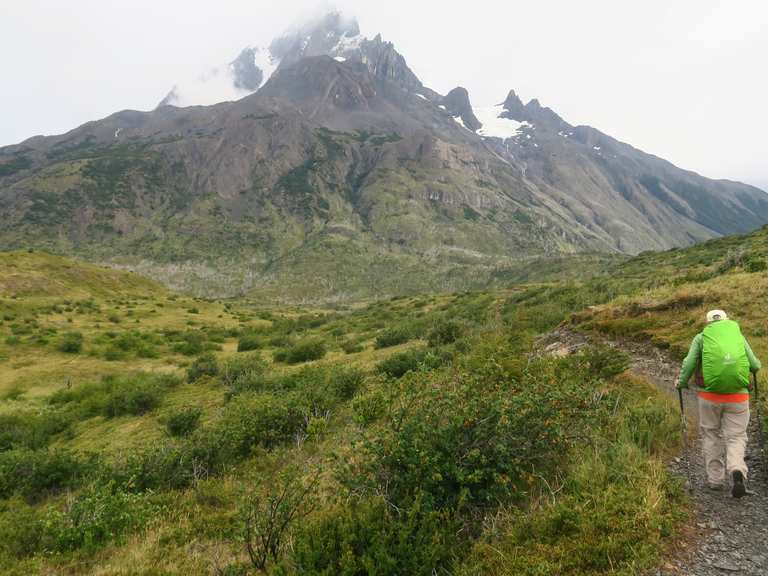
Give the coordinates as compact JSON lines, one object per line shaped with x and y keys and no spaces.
{"x":682,"y":285}
{"x":344,"y":166}
{"x":417,"y":432}
{"x":38,"y":274}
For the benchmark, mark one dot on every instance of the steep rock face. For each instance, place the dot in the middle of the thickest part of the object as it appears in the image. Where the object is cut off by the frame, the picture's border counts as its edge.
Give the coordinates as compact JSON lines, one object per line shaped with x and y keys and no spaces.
{"x":457,"y":103}
{"x":341,"y":173}
{"x":247,"y":75}
{"x":332,"y":35}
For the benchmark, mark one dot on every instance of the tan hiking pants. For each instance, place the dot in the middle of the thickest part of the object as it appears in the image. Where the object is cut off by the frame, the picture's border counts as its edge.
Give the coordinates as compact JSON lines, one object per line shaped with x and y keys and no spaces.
{"x":724,"y":437}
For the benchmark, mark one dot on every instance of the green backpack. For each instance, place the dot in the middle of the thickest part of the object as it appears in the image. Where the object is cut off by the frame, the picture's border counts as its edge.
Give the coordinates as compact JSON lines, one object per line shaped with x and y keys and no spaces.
{"x":724,"y":358}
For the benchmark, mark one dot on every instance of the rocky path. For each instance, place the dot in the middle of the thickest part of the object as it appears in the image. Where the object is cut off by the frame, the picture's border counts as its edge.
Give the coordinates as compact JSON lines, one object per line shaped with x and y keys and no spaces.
{"x":730,"y":535}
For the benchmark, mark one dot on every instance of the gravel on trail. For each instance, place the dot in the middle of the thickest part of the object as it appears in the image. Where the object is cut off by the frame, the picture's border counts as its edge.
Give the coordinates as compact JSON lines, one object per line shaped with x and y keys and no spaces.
{"x":730,"y":535}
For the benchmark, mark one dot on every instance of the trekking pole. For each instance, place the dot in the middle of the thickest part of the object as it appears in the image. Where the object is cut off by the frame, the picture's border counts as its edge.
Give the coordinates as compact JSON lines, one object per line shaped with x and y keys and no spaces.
{"x":684,"y":434}
{"x":760,"y":426}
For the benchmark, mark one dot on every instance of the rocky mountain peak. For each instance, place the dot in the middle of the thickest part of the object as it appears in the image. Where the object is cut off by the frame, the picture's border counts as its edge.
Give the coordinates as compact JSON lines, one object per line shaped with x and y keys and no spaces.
{"x":332,"y":35}
{"x":532,"y":112}
{"x":457,"y":103}
{"x":514,"y":107}
{"x":247,"y":75}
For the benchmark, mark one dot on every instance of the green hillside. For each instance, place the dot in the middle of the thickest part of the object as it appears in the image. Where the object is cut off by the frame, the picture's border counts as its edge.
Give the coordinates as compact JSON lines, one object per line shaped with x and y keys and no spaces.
{"x":31,"y":274}
{"x":146,"y":432}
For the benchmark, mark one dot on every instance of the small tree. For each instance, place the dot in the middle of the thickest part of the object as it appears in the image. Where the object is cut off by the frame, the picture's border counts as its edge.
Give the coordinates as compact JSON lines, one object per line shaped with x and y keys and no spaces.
{"x":269,"y":519}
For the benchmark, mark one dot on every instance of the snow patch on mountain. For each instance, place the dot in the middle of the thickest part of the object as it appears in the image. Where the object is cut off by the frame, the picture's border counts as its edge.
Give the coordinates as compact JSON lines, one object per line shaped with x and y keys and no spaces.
{"x":494,"y":126}
{"x":266,"y":62}
{"x":348,"y":44}
{"x":460,"y":122}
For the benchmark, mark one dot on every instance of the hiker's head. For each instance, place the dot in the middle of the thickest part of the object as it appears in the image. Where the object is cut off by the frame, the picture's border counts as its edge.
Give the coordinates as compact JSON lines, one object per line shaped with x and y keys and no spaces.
{"x":715,"y":315}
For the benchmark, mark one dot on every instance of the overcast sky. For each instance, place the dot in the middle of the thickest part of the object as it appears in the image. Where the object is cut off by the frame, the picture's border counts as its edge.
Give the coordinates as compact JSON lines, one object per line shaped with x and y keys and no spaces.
{"x":682,"y":79}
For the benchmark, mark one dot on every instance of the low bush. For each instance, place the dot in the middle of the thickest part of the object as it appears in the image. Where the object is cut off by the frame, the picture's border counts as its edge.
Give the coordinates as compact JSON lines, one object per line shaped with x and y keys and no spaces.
{"x":34,"y":474}
{"x":204,"y":365}
{"x":20,"y":530}
{"x":269,"y":519}
{"x":249,"y":341}
{"x":191,"y":343}
{"x":132,"y":397}
{"x":401,"y":363}
{"x":71,"y":343}
{"x":394,"y":336}
{"x":601,"y":522}
{"x":368,"y":537}
{"x":131,"y":394}
{"x":244,"y":372}
{"x":445,"y":332}
{"x":369,"y":407}
{"x":352,"y":347}
{"x":263,"y":420}
{"x":184,"y":421}
{"x":31,"y":430}
{"x":280,"y":341}
{"x":305,"y":351}
{"x":101,"y":514}
{"x":471,"y":438}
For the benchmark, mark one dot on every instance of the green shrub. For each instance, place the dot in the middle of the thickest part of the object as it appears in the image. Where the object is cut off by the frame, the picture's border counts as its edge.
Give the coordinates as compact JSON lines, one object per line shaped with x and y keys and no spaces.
{"x":352,"y":347}
{"x":114,"y":395}
{"x":605,"y":362}
{"x":191,"y":343}
{"x":445,"y":332}
{"x":369,"y":407}
{"x":204,"y":365}
{"x":280,"y":355}
{"x":472,"y":437}
{"x":306,"y":351}
{"x":243,"y":372}
{"x":269,"y":520}
{"x":34,"y":474}
{"x":599,"y":524}
{"x":368,"y":537}
{"x":252,"y":420}
{"x":132,"y":397}
{"x":31,"y":430}
{"x":400,"y":334}
{"x":249,"y":341}
{"x":99,"y":515}
{"x":399,"y":364}
{"x":71,"y":343}
{"x":755,"y":264}
{"x":394,"y":336}
{"x":130,"y":344}
{"x":280,"y":341}
{"x":183,"y":422}
{"x":21,"y":529}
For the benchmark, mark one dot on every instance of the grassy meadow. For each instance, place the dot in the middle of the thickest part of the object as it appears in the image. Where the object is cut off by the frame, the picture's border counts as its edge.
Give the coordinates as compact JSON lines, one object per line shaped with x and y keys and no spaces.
{"x":146,"y":432}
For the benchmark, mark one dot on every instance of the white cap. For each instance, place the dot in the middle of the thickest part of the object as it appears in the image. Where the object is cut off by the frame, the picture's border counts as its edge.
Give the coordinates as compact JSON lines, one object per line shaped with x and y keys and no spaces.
{"x":715,"y":315}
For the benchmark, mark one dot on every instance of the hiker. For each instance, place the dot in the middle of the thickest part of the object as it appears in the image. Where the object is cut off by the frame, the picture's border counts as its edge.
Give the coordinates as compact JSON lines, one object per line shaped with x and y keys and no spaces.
{"x":722,"y":360}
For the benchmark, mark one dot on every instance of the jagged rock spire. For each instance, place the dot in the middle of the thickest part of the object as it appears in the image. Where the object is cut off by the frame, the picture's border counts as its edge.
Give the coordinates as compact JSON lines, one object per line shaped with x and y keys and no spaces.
{"x":457,"y":103}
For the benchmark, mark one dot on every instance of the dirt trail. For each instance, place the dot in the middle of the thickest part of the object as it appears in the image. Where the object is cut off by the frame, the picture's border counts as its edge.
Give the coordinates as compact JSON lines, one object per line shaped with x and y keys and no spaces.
{"x":732,"y":534}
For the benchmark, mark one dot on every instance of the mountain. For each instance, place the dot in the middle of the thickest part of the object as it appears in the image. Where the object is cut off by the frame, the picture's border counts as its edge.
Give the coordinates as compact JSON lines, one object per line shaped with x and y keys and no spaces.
{"x":342,"y":175}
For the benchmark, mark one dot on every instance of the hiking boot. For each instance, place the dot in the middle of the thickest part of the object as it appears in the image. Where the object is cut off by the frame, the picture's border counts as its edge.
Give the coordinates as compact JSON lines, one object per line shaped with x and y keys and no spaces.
{"x":738,"y":490}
